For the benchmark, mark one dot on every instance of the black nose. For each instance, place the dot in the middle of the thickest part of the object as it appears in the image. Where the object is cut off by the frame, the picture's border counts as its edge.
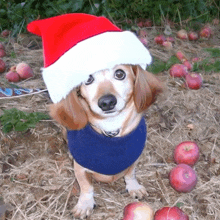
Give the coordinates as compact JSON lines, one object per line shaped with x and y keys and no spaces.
{"x":107,"y":102}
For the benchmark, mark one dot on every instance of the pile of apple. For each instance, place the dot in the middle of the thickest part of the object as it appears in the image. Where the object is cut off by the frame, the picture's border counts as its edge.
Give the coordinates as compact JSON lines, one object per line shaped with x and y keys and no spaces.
{"x":205,"y":33}
{"x":192,"y":80}
{"x":182,"y":178}
{"x":20,"y":72}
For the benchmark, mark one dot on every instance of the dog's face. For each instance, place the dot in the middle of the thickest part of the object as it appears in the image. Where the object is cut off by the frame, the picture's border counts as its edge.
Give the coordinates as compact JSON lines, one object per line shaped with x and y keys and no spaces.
{"x":107,"y":92}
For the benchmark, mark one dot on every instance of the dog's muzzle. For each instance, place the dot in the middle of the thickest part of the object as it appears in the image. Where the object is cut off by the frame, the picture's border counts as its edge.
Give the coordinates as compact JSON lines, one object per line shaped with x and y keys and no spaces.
{"x":107,"y":102}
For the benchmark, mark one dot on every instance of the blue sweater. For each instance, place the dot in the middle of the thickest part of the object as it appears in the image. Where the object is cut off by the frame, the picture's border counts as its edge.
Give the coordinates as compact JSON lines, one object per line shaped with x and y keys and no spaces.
{"x":106,"y":155}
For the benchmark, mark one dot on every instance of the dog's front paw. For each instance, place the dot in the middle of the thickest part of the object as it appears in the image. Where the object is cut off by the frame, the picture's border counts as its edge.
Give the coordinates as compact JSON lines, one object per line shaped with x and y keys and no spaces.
{"x":84,"y":207}
{"x":135,"y":189}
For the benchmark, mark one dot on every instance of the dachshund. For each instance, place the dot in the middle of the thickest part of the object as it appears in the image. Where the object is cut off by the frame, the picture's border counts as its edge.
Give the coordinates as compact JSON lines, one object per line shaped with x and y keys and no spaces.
{"x":109,"y":107}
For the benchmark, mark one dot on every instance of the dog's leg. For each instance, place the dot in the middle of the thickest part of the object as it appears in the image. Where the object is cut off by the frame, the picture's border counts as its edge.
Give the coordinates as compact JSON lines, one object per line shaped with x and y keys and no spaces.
{"x":86,"y":201}
{"x":134,"y":188}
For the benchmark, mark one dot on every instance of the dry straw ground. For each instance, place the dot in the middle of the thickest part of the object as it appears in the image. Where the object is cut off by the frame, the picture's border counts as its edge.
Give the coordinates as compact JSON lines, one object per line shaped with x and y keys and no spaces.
{"x":36,"y":172}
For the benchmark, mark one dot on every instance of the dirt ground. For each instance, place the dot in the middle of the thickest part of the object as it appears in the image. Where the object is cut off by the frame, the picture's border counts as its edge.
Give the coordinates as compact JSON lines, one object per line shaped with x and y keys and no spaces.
{"x":36,"y":172}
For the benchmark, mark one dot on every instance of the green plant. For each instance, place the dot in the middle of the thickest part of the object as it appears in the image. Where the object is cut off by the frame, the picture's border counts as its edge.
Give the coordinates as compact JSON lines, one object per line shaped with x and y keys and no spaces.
{"x":14,"y":119}
{"x":159,"y":66}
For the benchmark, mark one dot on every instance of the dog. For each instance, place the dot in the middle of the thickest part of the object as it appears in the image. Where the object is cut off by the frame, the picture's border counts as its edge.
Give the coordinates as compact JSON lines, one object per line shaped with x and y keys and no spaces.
{"x":111,"y":103}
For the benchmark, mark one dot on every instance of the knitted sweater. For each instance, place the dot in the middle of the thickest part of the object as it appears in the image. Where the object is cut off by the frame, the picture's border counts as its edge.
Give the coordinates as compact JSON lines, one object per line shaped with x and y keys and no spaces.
{"x":106,"y":155}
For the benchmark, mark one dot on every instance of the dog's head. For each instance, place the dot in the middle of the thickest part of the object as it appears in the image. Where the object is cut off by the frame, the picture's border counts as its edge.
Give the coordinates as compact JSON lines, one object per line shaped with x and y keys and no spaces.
{"x":106,"y":94}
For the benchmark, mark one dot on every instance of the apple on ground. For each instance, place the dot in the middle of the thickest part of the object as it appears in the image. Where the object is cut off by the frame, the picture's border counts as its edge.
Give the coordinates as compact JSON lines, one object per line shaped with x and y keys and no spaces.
{"x":24,"y":70}
{"x":138,"y":211}
{"x":181,"y":56}
{"x":159,"y":39}
{"x":193,"y":81}
{"x":143,"y":40}
{"x":178,"y":70}
{"x":206,"y":32}
{"x":2,"y":66}
{"x":2,"y":53}
{"x":193,"y":35}
{"x":168,"y":45}
{"x":183,"y":178}
{"x":188,"y":65}
{"x":186,"y":152}
{"x":12,"y":76}
{"x":147,"y":23}
{"x":5,"y":33}
{"x":182,"y":34}
{"x":170,"y":213}
{"x":170,"y":39}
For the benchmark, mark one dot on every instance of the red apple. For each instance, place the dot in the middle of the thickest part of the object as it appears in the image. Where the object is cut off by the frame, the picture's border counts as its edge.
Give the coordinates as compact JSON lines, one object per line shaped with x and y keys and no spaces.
{"x":186,"y":152}
{"x":193,"y":35}
{"x":2,"y":66}
{"x":194,"y":81}
{"x":12,"y":76}
{"x":168,"y":45}
{"x":147,"y":23}
{"x":170,"y":213}
{"x":188,"y":65}
{"x":181,"y":56}
{"x":178,"y":70}
{"x":5,"y":33}
{"x":182,"y":34}
{"x":195,"y":59}
{"x":138,"y":211}
{"x":24,"y":70}
{"x":183,"y":178}
{"x":2,"y":53}
{"x":206,"y":32}
{"x":159,"y":39}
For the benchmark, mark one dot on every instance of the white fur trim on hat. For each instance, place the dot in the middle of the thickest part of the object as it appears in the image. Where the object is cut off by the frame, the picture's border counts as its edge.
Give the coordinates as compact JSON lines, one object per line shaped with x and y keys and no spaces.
{"x":100,"y":52}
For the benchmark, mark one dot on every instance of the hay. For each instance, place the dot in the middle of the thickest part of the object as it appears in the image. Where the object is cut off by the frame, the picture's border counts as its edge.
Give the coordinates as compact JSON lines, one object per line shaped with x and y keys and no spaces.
{"x":36,"y":173}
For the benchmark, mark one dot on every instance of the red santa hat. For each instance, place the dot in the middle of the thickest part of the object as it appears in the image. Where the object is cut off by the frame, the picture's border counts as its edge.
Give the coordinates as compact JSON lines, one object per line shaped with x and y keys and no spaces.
{"x":77,"y":45}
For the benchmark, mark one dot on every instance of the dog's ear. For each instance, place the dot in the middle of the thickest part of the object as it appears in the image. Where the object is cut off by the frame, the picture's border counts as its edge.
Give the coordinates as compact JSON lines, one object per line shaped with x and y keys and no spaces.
{"x":146,"y":88}
{"x":69,"y":112}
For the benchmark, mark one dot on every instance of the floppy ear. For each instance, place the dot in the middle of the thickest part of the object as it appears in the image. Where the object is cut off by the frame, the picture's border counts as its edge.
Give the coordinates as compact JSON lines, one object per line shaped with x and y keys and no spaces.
{"x":146,"y":88}
{"x":69,"y":112}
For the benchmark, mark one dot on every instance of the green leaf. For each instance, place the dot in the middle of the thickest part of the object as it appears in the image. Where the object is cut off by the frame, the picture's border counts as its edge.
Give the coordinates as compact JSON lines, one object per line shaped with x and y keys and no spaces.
{"x":157,"y":67}
{"x":19,"y":120}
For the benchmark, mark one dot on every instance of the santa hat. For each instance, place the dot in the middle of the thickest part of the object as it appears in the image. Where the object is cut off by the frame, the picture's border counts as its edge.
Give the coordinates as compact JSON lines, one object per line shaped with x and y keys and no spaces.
{"x":77,"y":45}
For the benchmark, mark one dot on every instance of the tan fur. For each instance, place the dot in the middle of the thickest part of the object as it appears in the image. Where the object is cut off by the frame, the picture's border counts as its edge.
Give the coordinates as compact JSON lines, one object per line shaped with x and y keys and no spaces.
{"x":75,"y":111}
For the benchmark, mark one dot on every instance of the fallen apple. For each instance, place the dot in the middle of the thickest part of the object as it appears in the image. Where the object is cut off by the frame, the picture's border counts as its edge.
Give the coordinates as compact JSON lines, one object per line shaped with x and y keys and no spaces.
{"x":182,"y":34}
{"x":170,"y":213}
{"x":206,"y":32}
{"x":12,"y":76}
{"x":193,"y":36}
{"x":168,"y":45}
{"x":183,"y":178}
{"x":138,"y":211}
{"x":24,"y":70}
{"x":159,"y":39}
{"x":193,"y":81}
{"x":181,"y":56}
{"x":5,"y":33}
{"x":2,"y":66}
{"x":147,"y":23}
{"x":178,"y":70}
{"x":2,"y":53}
{"x":188,"y":65}
{"x":186,"y":152}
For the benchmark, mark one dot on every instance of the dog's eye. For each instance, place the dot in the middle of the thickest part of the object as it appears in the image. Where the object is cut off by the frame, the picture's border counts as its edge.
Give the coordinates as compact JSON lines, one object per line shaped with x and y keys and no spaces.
{"x":89,"y":80}
{"x":120,"y":74}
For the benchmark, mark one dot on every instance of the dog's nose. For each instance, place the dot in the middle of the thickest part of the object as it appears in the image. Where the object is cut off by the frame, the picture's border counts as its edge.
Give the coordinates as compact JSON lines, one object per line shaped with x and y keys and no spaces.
{"x":107,"y":102}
